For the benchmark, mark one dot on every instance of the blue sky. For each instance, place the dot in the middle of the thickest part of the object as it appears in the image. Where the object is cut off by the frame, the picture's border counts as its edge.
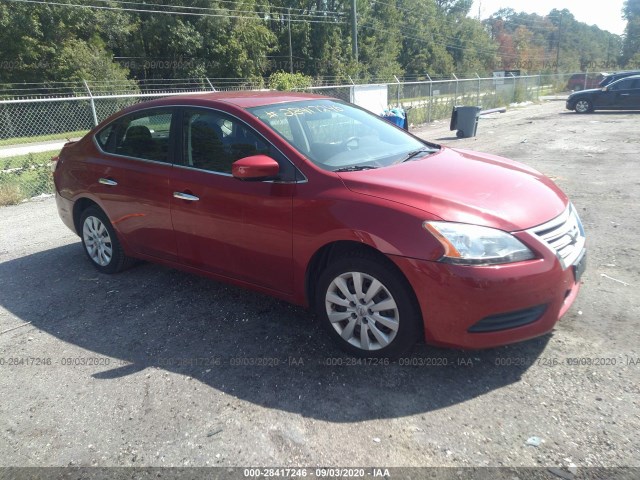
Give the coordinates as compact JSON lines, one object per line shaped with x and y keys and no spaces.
{"x":608,"y":16}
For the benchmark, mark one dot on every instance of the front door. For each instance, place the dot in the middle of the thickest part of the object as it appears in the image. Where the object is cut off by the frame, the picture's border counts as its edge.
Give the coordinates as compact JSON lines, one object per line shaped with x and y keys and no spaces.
{"x":239,"y":229}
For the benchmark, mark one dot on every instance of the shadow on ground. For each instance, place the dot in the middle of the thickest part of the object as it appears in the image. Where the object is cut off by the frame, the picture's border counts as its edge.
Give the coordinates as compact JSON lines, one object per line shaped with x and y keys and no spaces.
{"x":153,"y":316}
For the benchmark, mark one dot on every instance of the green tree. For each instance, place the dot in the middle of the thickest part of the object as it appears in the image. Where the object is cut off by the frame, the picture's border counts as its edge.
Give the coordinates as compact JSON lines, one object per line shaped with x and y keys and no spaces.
{"x":289,"y":81}
{"x":78,"y":60}
{"x":631,"y":45}
{"x":423,"y":51}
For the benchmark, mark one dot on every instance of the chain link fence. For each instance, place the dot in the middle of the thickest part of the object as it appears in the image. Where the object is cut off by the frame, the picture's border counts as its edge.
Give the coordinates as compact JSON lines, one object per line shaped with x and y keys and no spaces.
{"x":33,"y":129}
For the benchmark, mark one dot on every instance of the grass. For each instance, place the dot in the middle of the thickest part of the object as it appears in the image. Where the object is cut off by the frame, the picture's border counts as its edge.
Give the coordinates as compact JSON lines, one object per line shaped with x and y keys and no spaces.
{"x":439,"y":107}
{"x":42,"y":138}
{"x":23,"y":161}
{"x":10,"y":194}
{"x":29,"y":176}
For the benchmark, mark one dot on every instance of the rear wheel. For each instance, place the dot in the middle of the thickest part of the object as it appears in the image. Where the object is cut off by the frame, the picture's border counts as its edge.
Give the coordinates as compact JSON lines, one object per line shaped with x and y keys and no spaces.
{"x":101,"y":243}
{"x":367,"y":307}
{"x":583,"y":106}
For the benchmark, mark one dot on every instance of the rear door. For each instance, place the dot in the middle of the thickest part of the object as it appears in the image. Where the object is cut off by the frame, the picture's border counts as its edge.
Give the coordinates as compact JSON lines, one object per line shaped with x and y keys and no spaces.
{"x":131,"y":179}
{"x":239,"y":229}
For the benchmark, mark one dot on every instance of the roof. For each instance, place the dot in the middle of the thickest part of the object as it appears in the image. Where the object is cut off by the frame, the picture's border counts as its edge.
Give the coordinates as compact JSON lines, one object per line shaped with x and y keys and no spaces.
{"x":248,"y":99}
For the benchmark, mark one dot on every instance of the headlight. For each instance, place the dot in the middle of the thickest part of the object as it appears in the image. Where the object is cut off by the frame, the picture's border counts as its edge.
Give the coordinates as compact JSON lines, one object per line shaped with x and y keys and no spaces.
{"x":474,"y":245}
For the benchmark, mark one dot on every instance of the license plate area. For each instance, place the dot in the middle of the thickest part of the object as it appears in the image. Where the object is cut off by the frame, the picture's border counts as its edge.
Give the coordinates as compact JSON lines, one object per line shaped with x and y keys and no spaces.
{"x":580,"y":266}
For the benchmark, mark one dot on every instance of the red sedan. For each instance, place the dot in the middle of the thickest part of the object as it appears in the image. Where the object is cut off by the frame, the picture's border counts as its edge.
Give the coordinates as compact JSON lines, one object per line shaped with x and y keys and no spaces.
{"x":315,"y":201}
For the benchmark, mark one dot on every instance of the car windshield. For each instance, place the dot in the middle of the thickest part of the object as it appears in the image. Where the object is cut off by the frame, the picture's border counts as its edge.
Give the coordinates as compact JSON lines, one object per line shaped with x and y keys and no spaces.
{"x":338,"y":136}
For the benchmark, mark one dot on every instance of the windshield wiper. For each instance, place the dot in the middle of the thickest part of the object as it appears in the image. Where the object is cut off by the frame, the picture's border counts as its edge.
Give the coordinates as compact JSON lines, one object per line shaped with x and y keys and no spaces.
{"x":355,"y":168}
{"x":415,"y":153}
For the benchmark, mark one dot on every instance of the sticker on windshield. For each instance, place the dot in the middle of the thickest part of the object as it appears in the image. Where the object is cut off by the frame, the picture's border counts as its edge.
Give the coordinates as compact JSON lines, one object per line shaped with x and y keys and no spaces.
{"x":306,"y":110}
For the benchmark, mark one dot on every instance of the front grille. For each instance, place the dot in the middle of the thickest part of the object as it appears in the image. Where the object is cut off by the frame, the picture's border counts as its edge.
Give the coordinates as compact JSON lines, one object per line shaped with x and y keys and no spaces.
{"x":564,"y":235}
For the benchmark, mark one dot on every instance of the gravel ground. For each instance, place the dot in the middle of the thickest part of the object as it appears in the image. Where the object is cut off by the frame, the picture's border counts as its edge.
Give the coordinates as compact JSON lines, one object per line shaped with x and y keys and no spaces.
{"x":154,"y":367}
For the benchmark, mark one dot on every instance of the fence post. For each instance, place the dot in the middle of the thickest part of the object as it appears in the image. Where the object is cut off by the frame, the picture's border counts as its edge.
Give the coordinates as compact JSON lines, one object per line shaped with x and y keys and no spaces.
{"x":430,"y":99}
{"x":514,"y":86}
{"x":93,"y":104}
{"x":455,"y":100}
{"x":539,"y":85}
{"x":478,"y":96}
{"x":213,"y":89}
{"x":397,"y":91}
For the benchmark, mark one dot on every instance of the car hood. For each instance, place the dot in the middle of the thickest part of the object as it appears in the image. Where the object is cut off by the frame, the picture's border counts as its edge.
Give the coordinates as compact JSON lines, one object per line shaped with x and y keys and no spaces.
{"x":467,"y":187}
{"x":585,"y":93}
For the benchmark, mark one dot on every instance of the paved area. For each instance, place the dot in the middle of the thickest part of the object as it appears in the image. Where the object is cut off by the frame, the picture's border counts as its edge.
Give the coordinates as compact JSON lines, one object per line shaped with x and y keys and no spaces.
{"x":154,"y":367}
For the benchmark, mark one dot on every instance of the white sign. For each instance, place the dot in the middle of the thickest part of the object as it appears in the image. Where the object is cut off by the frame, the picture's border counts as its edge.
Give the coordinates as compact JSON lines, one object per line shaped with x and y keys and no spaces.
{"x":372,"y":97}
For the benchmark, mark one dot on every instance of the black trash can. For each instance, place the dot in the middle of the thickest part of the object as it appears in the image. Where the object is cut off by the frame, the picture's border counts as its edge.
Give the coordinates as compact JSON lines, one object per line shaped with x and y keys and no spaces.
{"x":465,"y":121}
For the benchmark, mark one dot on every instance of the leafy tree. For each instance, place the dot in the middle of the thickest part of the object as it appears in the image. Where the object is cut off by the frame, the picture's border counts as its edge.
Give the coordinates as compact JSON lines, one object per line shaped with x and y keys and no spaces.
{"x":631,"y":46}
{"x":250,"y":39}
{"x":289,"y":81}
{"x":78,"y":60}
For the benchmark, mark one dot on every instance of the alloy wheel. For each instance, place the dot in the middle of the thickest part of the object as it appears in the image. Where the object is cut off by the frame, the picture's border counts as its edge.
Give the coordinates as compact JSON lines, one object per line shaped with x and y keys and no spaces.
{"x":583,"y":106}
{"x":362,"y":311}
{"x":97,"y":241}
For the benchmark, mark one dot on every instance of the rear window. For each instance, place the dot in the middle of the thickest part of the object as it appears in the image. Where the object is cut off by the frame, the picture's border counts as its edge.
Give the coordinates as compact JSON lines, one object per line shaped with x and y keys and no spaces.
{"x":144,"y":135}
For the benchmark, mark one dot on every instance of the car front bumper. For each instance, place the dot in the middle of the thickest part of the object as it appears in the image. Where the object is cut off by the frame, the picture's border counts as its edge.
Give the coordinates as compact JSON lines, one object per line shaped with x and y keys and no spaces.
{"x":481,"y":307}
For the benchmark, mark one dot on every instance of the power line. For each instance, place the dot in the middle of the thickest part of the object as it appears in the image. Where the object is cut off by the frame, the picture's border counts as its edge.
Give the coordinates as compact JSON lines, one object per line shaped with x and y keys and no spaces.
{"x":193,"y":14}
{"x":457,"y":47}
{"x":446,"y":38}
{"x":320,"y":13}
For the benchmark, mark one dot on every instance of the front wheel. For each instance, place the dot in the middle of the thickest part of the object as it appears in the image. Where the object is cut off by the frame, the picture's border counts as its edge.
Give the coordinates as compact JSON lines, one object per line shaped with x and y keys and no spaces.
{"x":583,"y":106}
{"x":101,"y":243}
{"x":368,"y":307}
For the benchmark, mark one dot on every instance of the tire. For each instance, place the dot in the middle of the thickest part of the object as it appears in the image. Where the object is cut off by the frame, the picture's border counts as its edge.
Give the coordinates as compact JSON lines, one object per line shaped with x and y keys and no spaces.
{"x":583,"y":106}
{"x":101,"y":243}
{"x":352,"y":315}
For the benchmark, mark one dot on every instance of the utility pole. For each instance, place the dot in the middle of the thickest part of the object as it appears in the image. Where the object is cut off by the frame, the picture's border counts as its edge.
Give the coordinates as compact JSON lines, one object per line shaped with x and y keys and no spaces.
{"x":354,"y":31}
{"x":290,"y":44}
{"x":558,"y":46}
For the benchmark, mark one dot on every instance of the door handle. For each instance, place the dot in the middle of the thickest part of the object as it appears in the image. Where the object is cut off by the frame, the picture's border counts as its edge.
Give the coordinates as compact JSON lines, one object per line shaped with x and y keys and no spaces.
{"x":625,"y":94}
{"x":108,"y":181}
{"x":185,"y":196}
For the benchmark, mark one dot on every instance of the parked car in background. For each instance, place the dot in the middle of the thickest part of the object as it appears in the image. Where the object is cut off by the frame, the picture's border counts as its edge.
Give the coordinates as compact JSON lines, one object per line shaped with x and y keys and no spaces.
{"x":623,"y":94}
{"x":315,"y":201}
{"x":617,"y":76}
{"x":581,"y":81}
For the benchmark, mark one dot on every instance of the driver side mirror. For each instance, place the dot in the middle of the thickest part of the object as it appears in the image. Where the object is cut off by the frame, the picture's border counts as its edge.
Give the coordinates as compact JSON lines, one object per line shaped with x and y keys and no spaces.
{"x":255,"y":167}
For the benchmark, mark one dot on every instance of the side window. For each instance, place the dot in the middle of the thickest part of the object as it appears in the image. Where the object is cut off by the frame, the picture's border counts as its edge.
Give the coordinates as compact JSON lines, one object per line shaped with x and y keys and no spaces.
{"x":213,"y":141}
{"x":140,"y":135}
{"x":622,"y":85}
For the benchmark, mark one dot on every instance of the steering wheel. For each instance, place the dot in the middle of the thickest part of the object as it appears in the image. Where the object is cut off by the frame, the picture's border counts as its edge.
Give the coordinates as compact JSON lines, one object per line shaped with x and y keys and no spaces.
{"x":350,"y":143}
